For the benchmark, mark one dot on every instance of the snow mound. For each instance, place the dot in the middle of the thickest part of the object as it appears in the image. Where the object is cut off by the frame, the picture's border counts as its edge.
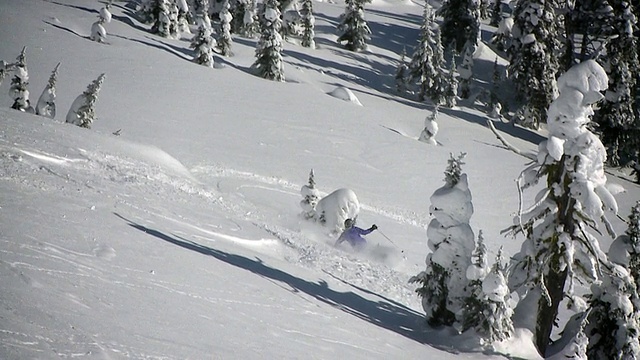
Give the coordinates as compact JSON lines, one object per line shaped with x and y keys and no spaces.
{"x":345,"y":94}
{"x":333,"y":209}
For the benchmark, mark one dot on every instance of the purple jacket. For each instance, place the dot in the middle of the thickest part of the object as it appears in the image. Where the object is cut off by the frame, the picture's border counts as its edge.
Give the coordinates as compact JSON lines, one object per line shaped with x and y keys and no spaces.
{"x":353,"y":236}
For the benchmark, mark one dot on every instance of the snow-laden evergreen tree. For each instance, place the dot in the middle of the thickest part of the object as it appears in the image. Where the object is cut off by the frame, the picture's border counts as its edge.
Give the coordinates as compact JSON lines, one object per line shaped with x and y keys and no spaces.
{"x":502,"y":37}
{"x":422,"y":68}
{"x":224,"y":37}
{"x":430,"y":130}
{"x":353,"y":28}
{"x":614,"y":320}
{"x":46,"y":105}
{"x":82,"y":111}
{"x":182,"y":20}
{"x":559,"y":247}
{"x":633,"y":234}
{"x":268,"y":62}
{"x":451,"y":89}
{"x":166,"y":24}
{"x":466,"y":70}
{"x":533,"y":57}
{"x":310,"y":198}
{"x":98,"y":32}
{"x":495,"y":107}
{"x":460,"y":23}
{"x":203,"y":41}
{"x":442,"y":285}
{"x":489,"y":306}
{"x":148,"y":10}
{"x":19,"y":82}
{"x":402,"y":72}
{"x":617,"y":117}
{"x":474,"y":307}
{"x":244,"y":22}
{"x":308,"y":25}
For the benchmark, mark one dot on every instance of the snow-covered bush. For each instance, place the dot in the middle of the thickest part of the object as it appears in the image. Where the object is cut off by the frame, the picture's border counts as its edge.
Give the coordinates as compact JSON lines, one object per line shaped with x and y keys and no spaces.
{"x":269,"y":64}
{"x":82,"y":111}
{"x":430,"y":130}
{"x":98,"y":32}
{"x":46,"y":105}
{"x":310,"y":198}
{"x":333,"y":209}
{"x":559,"y":247}
{"x":202,"y":42}
{"x":451,"y":240}
{"x":18,"y":90}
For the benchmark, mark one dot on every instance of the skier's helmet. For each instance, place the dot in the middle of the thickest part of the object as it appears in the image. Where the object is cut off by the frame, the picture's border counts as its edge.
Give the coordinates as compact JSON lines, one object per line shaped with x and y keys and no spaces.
{"x":348,"y":223}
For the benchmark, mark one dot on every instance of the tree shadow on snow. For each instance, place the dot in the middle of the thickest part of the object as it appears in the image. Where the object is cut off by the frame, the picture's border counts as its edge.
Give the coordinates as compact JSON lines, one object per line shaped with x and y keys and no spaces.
{"x":384,"y":313}
{"x":68,"y":30}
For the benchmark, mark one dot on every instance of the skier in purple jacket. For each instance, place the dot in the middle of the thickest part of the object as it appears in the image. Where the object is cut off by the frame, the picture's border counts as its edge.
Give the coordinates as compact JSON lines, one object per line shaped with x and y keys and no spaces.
{"x":353,"y":234}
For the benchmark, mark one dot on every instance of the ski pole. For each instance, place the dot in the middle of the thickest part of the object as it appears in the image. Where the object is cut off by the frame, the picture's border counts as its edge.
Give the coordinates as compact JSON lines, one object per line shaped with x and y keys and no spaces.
{"x":391,"y":241}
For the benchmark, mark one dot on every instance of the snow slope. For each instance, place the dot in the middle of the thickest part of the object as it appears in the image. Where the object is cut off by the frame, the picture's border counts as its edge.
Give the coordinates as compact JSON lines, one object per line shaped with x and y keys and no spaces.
{"x":180,"y":238}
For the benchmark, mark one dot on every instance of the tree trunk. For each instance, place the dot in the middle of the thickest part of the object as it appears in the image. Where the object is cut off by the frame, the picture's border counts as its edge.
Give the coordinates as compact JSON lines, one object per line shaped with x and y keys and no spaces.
{"x":547,"y":313}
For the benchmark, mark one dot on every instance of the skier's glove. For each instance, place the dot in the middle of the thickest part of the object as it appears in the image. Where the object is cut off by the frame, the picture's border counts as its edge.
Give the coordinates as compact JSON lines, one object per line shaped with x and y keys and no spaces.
{"x":374,"y":227}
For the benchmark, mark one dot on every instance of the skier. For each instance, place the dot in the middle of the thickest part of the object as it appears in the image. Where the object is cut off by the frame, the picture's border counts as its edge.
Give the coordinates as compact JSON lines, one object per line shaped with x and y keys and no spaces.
{"x":353,"y":234}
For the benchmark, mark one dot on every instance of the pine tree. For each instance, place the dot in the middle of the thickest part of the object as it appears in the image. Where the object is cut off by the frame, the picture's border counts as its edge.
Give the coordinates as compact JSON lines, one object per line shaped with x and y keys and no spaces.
{"x":82,"y":111}
{"x":533,"y":59}
{"x":617,"y":118}
{"x":474,"y":307}
{"x":633,"y":234}
{"x":5,"y":69}
{"x":402,"y":72}
{"x":353,"y":28}
{"x":166,"y":24}
{"x":460,"y":23}
{"x":311,"y":196}
{"x":494,"y":101}
{"x":614,"y":320}
{"x":559,"y":248}
{"x":98,"y":32}
{"x":308,"y":23}
{"x":18,"y":90}
{"x":497,"y":324}
{"x":224,"y":38}
{"x":46,"y":105}
{"x":269,"y":48}
{"x":149,"y":10}
{"x":203,"y":42}
{"x":442,"y":285}
{"x":451,"y":89}
{"x":421,"y":67}
{"x":466,"y":71}
{"x":182,"y":20}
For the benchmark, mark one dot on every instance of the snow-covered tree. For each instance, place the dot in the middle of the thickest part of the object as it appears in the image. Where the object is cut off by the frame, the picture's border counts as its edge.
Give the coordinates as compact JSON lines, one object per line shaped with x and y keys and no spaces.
{"x":460,"y":23}
{"x":465,"y":69}
{"x":614,"y":321}
{"x":495,"y":106}
{"x":451,"y":89}
{"x":633,"y":233}
{"x":203,"y":41}
{"x":98,"y":32}
{"x":617,"y":116}
{"x":268,"y":62}
{"x":308,"y":24}
{"x":310,"y":198}
{"x":402,"y":72}
{"x":489,"y":306}
{"x":46,"y":105}
{"x":182,"y":20}
{"x":442,"y":285}
{"x":353,"y":28}
{"x":422,"y":68}
{"x":82,"y":111}
{"x":502,"y":37}
{"x":244,"y":22}
{"x":333,"y":209}
{"x":18,"y":90}
{"x":559,"y":247}
{"x":224,"y":37}
{"x":430,"y":130}
{"x":533,"y":59}
{"x":166,"y":23}
{"x":148,"y":10}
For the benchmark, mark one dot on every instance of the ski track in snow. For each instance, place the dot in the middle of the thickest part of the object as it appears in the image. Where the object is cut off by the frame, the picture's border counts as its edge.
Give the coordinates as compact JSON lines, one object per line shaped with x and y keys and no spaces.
{"x":224,"y":188}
